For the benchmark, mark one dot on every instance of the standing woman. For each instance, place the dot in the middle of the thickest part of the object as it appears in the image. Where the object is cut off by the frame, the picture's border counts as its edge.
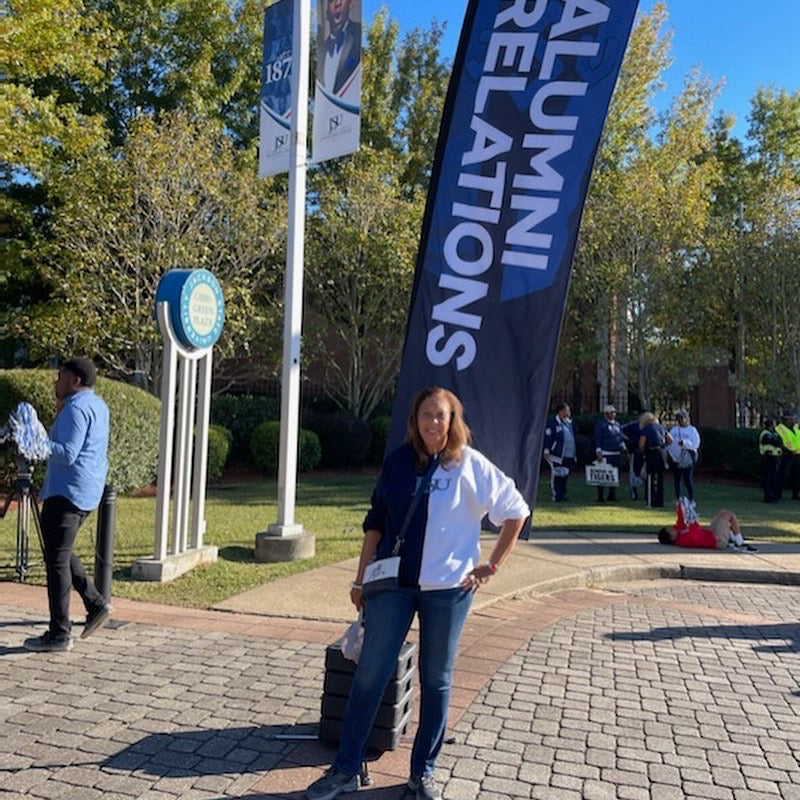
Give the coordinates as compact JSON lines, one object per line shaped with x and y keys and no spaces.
{"x":439,"y":571}
{"x":683,"y":451}
{"x":652,"y":440}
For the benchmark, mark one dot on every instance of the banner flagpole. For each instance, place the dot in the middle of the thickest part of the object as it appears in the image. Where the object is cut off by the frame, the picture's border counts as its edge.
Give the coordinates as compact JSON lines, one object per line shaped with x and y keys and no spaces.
{"x":523,"y":116}
{"x":293,"y":291}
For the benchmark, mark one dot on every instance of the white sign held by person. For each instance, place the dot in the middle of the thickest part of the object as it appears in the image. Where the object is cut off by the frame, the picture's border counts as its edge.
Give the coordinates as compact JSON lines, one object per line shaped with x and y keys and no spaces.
{"x":602,"y":475}
{"x":337,"y":98}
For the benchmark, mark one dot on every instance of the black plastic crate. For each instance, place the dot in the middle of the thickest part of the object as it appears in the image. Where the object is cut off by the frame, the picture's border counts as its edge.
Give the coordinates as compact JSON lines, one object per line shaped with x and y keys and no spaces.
{"x":379,"y":738}
{"x":388,"y":716}
{"x":334,"y":660}
{"x":338,"y":683}
{"x":394,"y":713}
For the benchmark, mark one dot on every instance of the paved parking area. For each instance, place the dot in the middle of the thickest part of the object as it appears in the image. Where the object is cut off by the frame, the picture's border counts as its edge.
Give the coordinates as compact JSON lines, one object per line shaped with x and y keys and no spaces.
{"x":660,"y":697}
{"x":650,"y":690}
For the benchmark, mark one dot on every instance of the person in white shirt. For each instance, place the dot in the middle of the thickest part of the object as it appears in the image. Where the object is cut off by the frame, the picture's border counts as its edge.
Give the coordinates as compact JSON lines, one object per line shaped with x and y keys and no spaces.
{"x":683,"y":452}
{"x":456,"y":487}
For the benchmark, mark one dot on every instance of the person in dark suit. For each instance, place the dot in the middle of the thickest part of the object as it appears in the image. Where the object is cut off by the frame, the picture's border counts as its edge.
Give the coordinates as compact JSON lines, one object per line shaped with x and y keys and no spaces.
{"x":339,"y":54}
{"x":631,"y":431}
{"x":560,"y":450}
{"x":609,"y":443}
{"x":652,"y":441}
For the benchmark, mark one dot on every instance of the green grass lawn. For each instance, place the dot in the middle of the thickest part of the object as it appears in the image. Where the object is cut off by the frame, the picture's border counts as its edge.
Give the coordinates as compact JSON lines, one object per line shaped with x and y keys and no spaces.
{"x":333,"y":507}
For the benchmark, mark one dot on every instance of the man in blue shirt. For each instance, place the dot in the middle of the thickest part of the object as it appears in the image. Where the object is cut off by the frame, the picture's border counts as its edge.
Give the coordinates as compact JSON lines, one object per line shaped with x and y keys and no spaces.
{"x":73,"y":486}
{"x":609,"y":443}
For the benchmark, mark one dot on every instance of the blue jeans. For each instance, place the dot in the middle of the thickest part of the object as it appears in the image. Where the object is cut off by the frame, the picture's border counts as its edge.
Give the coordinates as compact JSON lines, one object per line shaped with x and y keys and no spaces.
{"x":687,"y":473}
{"x":388,"y":617}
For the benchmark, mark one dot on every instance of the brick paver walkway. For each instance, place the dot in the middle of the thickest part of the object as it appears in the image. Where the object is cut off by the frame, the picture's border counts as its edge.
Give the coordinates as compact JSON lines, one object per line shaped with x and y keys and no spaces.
{"x":652,"y":690}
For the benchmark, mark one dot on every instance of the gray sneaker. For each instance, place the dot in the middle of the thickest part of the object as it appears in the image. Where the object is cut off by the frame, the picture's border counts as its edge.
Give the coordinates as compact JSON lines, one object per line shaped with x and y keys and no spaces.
{"x":47,"y":643}
{"x":425,"y":787}
{"x":332,"y":784}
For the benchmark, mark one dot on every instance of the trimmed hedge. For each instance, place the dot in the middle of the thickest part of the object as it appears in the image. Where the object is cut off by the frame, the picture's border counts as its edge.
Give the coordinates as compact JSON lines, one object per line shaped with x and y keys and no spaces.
{"x":379,"y":427}
{"x":265,"y":448}
{"x":219,"y":447}
{"x":241,"y":414}
{"x":345,"y":439}
{"x":135,"y":421}
{"x":731,"y":451}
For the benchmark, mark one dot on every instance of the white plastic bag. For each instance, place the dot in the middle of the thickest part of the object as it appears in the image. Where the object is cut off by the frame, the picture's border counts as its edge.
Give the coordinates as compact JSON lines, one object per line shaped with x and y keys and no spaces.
{"x":353,"y":639}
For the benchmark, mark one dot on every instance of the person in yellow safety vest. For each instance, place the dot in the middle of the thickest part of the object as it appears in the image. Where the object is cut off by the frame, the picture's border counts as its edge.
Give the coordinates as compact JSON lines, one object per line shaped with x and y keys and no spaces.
{"x":790,"y":463}
{"x":770,"y":446}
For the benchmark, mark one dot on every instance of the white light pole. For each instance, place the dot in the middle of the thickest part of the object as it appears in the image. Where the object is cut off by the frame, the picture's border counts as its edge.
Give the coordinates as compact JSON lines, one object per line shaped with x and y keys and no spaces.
{"x":286,"y":540}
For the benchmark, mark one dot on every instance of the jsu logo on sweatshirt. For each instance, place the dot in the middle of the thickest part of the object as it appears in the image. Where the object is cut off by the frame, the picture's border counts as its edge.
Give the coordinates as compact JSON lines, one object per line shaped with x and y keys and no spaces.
{"x":433,"y":485}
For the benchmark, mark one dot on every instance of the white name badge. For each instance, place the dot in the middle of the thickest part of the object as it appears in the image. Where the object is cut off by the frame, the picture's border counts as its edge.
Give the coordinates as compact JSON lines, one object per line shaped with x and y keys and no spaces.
{"x":380,"y":575}
{"x":381,"y":569}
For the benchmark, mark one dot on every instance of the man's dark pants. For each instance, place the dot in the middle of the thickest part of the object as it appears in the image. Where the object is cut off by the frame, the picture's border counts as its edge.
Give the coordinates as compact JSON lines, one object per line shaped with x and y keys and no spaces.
{"x":654,"y":489}
{"x":794,"y":475}
{"x":615,"y":461}
{"x":772,"y":480}
{"x":559,"y":483}
{"x":789,"y":475}
{"x":60,"y":523}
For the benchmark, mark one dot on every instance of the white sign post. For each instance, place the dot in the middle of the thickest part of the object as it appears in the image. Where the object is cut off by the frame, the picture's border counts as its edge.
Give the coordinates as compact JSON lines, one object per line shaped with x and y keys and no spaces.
{"x":190,"y":310}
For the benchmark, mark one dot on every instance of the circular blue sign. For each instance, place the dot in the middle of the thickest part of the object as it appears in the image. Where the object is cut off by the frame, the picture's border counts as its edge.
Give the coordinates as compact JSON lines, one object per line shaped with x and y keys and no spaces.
{"x":196,"y":306}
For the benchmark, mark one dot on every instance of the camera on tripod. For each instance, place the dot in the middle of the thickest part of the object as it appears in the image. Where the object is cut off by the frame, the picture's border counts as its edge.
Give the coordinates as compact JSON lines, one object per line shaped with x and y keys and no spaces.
{"x":26,"y":439}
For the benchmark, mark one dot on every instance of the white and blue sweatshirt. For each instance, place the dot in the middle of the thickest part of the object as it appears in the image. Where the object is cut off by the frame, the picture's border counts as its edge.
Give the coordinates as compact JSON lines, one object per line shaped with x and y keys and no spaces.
{"x":442,"y":543}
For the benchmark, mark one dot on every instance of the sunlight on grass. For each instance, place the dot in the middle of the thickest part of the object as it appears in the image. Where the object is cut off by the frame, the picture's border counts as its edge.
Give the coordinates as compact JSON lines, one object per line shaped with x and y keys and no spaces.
{"x":333,"y":507}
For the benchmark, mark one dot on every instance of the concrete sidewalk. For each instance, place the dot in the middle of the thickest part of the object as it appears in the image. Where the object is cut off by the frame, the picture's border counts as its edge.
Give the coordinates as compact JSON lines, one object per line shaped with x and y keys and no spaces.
{"x":548,"y":562}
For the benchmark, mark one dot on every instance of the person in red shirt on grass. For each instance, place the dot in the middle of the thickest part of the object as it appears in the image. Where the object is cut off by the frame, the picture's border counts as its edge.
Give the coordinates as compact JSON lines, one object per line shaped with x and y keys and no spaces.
{"x":722,"y":532}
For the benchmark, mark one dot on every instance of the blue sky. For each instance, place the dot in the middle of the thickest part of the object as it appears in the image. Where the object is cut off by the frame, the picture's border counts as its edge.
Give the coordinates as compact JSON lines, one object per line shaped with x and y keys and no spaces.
{"x":745,"y":43}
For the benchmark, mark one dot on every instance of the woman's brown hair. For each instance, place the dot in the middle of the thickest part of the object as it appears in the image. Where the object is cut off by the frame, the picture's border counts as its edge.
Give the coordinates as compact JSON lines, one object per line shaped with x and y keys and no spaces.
{"x":458,"y":433}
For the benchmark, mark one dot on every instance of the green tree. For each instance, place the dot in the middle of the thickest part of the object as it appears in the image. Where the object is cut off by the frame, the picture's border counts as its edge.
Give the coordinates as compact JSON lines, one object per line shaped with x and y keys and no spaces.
{"x":46,"y":48}
{"x":361,"y":249}
{"x":176,"y":195}
{"x":365,"y":217}
{"x":200,"y":56}
{"x":644,"y":225}
{"x":771,"y":232}
{"x":597,"y":312}
{"x":689,"y":242}
{"x":748,"y":275}
{"x":403,"y":88}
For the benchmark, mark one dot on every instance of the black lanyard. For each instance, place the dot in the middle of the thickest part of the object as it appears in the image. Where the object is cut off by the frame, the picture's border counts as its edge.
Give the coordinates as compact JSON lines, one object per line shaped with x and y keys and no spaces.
{"x":398,"y":543}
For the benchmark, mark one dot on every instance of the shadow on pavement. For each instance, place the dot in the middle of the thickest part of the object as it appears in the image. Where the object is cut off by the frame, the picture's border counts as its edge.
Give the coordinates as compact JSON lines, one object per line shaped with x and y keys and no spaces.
{"x":248,"y":750}
{"x":789,"y":632}
{"x":195,"y":753}
{"x":399,"y":792}
{"x":12,"y":651}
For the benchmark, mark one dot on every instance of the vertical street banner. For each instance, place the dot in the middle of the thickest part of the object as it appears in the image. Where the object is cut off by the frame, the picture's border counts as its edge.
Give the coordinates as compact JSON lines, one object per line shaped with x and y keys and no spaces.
{"x":337,"y":96}
{"x":522,"y":121}
{"x":275,"y":106}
